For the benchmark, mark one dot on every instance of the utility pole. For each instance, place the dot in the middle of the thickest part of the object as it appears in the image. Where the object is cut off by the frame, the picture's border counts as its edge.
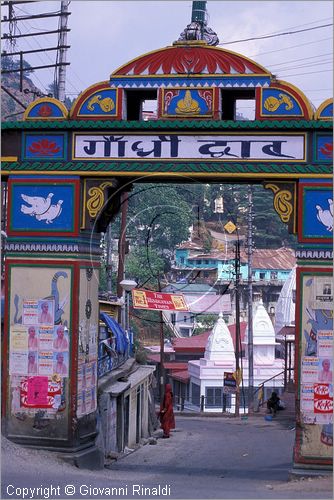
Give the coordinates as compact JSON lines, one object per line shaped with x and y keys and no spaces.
{"x":109,"y":260}
{"x":62,"y":51}
{"x":250,"y":302}
{"x":237,"y":325}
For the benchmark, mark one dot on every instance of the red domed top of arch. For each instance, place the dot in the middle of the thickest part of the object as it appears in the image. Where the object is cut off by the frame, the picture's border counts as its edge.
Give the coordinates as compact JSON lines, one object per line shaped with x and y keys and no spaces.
{"x":186,"y":58}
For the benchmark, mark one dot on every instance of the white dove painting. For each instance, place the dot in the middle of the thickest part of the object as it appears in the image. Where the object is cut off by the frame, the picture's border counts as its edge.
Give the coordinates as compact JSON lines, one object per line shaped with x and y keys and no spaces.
{"x":38,"y":205}
{"x":41,"y":208}
{"x":52,"y":213}
{"x":325,"y":216}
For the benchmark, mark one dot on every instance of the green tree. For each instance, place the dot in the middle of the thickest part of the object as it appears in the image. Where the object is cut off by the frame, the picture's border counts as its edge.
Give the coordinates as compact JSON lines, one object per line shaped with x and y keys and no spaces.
{"x":9,"y":63}
{"x":145,"y":266}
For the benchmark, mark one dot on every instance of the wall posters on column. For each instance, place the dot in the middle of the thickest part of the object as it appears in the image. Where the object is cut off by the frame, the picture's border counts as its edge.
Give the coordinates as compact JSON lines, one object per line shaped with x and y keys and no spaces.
{"x":316,"y":401}
{"x":39,"y":338}
{"x":87,"y":345}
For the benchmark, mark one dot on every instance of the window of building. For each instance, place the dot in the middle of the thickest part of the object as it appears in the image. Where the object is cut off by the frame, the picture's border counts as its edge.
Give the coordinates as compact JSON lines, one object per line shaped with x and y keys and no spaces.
{"x":182,"y":260}
{"x":139,"y":103}
{"x":195,"y":394}
{"x":206,"y":262}
{"x":214,"y":397}
{"x":262,"y":276}
{"x":238,"y":104}
{"x":273,"y":275}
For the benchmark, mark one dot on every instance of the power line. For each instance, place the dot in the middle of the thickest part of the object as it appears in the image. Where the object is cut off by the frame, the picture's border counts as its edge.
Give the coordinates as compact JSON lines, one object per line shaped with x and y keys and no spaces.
{"x":310,"y":73}
{"x":291,"y":47}
{"x":279,"y":34}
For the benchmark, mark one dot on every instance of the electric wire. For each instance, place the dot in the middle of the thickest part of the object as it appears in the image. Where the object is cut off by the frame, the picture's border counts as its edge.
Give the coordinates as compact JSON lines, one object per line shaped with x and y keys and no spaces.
{"x":278,"y":34}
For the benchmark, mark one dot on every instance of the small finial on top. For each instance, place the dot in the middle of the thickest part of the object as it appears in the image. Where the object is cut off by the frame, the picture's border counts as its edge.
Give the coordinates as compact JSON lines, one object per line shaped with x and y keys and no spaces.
{"x":198,"y":28}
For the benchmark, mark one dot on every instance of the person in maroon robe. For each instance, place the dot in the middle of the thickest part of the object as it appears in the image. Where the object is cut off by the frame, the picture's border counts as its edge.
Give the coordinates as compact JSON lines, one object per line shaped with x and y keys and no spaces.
{"x":166,"y":414}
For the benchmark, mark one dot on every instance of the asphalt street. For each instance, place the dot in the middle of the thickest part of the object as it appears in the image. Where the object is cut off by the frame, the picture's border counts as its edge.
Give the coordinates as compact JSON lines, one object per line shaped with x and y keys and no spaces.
{"x":205,"y":458}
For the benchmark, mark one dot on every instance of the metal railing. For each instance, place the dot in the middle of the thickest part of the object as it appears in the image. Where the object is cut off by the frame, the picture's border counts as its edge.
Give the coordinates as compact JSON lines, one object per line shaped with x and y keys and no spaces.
{"x":260,"y":390}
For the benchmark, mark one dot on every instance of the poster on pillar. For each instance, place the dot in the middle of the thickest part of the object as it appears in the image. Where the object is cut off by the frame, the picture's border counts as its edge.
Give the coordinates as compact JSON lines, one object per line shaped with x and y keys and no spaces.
{"x":39,"y":331}
{"x":88,"y":341}
{"x":316,"y":366}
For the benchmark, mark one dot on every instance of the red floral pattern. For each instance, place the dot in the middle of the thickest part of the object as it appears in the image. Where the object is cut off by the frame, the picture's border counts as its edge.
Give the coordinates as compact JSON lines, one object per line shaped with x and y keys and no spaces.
{"x":44,"y":147}
{"x":327,"y":149}
{"x":194,"y":60}
{"x":45,"y":111}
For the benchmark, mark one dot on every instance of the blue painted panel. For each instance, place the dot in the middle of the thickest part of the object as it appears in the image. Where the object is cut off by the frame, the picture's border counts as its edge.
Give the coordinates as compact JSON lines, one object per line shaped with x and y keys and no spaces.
{"x":200,"y":106}
{"x":324,"y":148}
{"x":44,"y":146}
{"x":45,"y":110}
{"x":102,"y":102}
{"x":317,"y":213}
{"x":276,"y":102}
{"x":43,"y":207}
{"x":327,"y":112}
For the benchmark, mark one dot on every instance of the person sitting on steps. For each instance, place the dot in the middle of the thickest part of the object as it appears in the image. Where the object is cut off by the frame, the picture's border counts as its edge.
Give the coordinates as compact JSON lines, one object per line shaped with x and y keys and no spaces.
{"x":273,"y":403}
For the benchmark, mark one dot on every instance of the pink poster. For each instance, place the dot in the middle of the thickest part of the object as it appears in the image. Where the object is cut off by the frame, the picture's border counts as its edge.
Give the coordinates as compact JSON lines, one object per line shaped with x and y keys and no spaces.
{"x":37,"y":394}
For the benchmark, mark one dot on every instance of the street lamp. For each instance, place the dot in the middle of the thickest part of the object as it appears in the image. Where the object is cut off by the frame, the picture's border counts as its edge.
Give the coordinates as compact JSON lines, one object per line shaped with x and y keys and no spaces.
{"x":127,"y":286}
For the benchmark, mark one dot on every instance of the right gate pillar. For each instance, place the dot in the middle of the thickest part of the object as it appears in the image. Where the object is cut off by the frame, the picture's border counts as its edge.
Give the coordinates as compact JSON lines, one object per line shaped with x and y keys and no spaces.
{"x":313,"y":448}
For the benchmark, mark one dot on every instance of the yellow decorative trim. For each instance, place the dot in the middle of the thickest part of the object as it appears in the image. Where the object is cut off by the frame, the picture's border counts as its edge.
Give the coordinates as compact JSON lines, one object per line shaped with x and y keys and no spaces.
{"x":105,"y":82}
{"x":271,"y":104}
{"x":9,"y":158}
{"x":299,"y":92}
{"x":96,"y":201}
{"x":321,"y":108}
{"x":282,"y":203}
{"x":60,"y":105}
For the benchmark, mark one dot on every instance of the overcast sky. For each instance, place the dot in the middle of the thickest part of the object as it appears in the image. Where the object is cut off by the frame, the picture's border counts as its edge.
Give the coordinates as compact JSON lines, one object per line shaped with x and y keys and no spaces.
{"x":106,"y":34}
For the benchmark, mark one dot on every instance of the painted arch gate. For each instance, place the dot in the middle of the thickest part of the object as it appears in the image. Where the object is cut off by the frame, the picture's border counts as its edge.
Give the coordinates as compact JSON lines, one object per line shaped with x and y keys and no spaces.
{"x":67,"y":172}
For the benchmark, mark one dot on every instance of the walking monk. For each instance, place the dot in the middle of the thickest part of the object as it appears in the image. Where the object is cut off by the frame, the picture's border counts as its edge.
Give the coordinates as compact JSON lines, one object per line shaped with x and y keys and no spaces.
{"x":166,"y":414}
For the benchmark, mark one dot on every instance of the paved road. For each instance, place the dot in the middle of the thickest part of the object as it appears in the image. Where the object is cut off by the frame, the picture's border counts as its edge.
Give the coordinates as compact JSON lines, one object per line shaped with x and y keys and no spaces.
{"x":205,"y":458}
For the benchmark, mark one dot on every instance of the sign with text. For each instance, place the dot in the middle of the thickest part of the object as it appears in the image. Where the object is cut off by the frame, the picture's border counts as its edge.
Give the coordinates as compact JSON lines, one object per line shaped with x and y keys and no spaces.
{"x":229,"y":147}
{"x":144,"y":299}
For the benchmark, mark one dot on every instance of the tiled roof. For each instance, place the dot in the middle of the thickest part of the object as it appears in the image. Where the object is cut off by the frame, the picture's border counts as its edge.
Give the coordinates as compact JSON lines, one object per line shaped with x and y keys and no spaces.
{"x":208,"y":303}
{"x":183,"y":376}
{"x":198,"y":343}
{"x":175,"y":365}
{"x":278,"y":258}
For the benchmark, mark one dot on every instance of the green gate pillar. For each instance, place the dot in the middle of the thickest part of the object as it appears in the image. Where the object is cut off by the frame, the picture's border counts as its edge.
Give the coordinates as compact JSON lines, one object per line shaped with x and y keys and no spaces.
{"x":313,"y":447}
{"x":51,"y":315}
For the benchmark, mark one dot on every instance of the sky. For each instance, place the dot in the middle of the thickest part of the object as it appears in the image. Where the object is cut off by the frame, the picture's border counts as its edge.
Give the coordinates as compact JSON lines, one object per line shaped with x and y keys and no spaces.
{"x":106,"y":34}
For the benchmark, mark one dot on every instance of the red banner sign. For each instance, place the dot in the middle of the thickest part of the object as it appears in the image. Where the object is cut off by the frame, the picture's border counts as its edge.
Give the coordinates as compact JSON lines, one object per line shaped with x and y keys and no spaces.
{"x":144,"y":299}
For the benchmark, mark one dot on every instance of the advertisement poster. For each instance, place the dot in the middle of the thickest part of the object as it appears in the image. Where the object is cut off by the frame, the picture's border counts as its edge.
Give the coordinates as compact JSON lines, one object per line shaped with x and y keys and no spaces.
{"x":307,"y":398}
{"x":18,"y":363}
{"x":30,"y":312}
{"x":310,"y":367}
{"x":37,"y":393}
{"x":45,"y":363}
{"x":323,"y":403}
{"x":60,"y":338}
{"x":325,"y":370}
{"x":40,"y":392}
{"x":60,"y":363}
{"x":325,"y":344}
{"x":45,"y":338}
{"x":46,"y":312}
{"x":18,"y":338}
{"x":322,"y":293}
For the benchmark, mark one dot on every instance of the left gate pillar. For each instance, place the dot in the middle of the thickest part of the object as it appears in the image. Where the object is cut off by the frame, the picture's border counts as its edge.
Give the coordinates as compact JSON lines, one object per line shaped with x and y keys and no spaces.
{"x":51,"y":316}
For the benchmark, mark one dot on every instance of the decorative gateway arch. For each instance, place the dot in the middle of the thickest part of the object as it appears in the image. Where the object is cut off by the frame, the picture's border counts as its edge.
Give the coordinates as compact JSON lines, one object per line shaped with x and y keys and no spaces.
{"x":66,"y":174}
